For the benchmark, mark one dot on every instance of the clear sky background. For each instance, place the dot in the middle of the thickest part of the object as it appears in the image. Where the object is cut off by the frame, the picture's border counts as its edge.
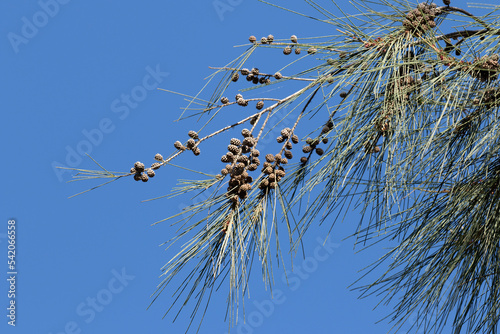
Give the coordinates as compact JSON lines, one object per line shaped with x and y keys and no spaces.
{"x":89,"y":264}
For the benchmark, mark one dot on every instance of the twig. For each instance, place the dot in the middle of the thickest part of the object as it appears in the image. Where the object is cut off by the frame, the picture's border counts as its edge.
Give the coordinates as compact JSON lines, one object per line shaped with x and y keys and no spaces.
{"x":261,"y":74}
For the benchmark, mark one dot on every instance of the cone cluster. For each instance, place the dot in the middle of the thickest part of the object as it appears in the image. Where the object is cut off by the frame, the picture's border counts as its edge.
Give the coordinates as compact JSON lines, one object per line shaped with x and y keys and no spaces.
{"x":238,"y":163}
{"x":486,"y":68}
{"x":273,"y":170}
{"x":311,"y":145}
{"x":421,"y":19}
{"x":255,"y":77}
{"x":292,"y":47}
{"x":143,"y":174}
{"x":265,"y":40}
{"x":273,"y":166}
{"x":190,"y":144}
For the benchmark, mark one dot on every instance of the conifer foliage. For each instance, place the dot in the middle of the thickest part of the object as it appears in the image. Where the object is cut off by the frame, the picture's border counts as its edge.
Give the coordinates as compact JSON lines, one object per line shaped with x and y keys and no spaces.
{"x":403,"y":102}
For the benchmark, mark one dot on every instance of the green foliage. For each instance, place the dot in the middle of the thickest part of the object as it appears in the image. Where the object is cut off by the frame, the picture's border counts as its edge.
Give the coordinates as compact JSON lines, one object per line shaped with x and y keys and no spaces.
{"x":412,"y":142}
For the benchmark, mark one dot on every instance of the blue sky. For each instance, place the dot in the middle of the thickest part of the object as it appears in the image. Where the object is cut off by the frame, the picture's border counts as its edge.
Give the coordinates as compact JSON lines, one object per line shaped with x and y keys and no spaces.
{"x":82,"y":77}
